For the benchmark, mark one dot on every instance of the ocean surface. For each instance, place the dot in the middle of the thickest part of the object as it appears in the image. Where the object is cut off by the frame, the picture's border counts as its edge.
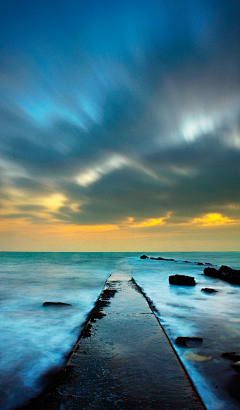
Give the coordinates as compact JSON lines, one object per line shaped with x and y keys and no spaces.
{"x":35,"y":339}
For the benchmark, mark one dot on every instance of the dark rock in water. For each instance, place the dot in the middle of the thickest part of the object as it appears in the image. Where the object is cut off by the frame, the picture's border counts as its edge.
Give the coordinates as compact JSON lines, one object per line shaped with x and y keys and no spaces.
{"x":224,"y":273}
{"x":236,"y":366}
{"x":234,"y":384}
{"x":183,"y":340}
{"x":207,"y":263}
{"x":186,"y":261}
{"x":225,"y":269}
{"x":159,"y":258}
{"x":211,"y":272}
{"x":231,"y":356}
{"x":209,"y":290}
{"x":144,"y":257}
{"x":58,"y":304}
{"x":182,"y":280}
{"x":200,"y":263}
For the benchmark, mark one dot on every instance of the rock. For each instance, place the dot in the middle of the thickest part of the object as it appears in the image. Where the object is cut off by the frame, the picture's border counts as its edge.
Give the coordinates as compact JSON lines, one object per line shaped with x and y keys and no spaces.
{"x":209,"y":290}
{"x":58,"y":304}
{"x":186,"y":261}
{"x":226,"y":269}
{"x":207,"y":263}
{"x":236,"y":366}
{"x":144,"y":257}
{"x":231,"y":356}
{"x":224,"y":273}
{"x":212,"y":273}
{"x":182,"y":280}
{"x":159,"y":258}
{"x":200,"y":263}
{"x":184,"y":340}
{"x":233,"y":386}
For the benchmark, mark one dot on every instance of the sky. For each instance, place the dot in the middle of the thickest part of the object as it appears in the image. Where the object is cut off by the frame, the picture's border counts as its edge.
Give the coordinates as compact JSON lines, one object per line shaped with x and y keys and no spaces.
{"x":120,"y":125}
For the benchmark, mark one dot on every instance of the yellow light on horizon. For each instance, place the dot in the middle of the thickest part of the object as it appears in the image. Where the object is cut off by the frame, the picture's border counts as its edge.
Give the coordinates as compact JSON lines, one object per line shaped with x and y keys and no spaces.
{"x":146,"y":222}
{"x":213,"y":219}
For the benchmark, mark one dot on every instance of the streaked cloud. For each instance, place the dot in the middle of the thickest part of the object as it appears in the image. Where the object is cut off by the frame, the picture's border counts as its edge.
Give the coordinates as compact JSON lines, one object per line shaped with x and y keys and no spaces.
{"x":91,"y":175}
{"x":115,"y":111}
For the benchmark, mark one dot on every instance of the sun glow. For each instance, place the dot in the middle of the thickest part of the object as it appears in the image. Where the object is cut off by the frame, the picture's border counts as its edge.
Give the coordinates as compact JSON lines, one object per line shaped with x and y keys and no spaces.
{"x":53,"y":202}
{"x":72,"y":229}
{"x":147,"y":222}
{"x":213,"y":219}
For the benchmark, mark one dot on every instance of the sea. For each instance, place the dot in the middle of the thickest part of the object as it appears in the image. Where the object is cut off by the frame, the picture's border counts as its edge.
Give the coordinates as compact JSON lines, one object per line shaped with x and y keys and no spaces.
{"x":35,"y":340}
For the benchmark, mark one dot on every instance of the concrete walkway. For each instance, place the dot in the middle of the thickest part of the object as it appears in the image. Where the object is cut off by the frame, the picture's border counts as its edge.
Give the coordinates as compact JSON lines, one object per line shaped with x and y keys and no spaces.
{"x":122,"y":361}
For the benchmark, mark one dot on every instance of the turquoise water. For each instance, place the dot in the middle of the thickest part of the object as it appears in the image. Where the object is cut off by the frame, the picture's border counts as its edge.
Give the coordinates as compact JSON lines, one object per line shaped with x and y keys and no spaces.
{"x":34,"y":339}
{"x":187,"y":311}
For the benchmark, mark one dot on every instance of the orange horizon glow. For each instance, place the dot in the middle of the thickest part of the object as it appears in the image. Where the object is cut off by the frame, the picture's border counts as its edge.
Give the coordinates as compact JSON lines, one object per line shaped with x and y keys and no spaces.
{"x":132,"y":235}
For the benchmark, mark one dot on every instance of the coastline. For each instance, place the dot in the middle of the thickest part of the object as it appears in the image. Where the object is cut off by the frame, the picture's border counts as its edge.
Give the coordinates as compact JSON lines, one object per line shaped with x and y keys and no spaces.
{"x":137,"y":368}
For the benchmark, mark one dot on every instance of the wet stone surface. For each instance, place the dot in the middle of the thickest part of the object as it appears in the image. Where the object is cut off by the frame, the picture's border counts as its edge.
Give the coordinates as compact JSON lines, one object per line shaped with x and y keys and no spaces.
{"x":124,"y":361}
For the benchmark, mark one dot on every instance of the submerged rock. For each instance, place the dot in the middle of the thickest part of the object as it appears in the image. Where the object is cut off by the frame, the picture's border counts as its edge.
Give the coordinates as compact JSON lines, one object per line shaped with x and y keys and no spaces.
{"x":209,"y":290}
{"x":182,"y":280}
{"x":184,"y":340}
{"x":144,"y":257}
{"x":195,"y":357}
{"x":159,"y":258}
{"x":200,"y":263}
{"x":234,"y":384}
{"x":58,"y":304}
{"x":236,"y":366}
{"x":231,"y":356}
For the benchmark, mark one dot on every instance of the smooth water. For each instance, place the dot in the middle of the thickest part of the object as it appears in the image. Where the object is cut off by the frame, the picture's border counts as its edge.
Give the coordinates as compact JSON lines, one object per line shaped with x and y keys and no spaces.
{"x":35,"y":339}
{"x":187,"y":311}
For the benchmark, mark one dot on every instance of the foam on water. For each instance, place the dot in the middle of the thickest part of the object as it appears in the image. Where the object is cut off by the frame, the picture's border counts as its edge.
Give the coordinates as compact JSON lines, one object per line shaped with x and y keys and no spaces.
{"x":187,"y":311}
{"x":34,"y":339}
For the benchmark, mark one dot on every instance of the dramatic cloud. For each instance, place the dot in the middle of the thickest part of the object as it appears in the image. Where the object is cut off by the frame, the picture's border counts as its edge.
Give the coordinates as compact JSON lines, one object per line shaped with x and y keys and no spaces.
{"x":119,"y":117}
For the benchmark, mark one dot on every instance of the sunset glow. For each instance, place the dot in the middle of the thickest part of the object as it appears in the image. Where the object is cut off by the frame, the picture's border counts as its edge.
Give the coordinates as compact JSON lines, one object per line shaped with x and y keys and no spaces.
{"x":120,"y":125}
{"x":214,"y":220}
